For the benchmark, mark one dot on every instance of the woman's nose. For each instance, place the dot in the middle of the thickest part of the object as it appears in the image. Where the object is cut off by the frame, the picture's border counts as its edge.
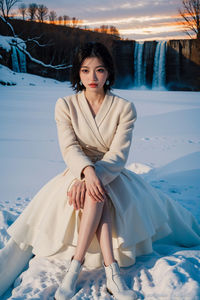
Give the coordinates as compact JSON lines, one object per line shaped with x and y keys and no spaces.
{"x":93,"y":75}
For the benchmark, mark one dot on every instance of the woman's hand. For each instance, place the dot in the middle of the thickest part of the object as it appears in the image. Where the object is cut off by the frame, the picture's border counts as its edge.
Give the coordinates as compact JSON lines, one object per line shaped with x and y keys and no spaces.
{"x":94,"y":186}
{"x":77,"y":194}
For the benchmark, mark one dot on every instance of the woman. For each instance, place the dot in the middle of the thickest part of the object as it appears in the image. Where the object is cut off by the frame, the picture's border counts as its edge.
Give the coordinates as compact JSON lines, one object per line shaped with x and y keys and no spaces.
{"x":96,"y":208}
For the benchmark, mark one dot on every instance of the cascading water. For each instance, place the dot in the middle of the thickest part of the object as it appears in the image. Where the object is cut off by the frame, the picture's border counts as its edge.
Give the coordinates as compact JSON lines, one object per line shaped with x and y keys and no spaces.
{"x":18,"y":60}
{"x":22,"y":61}
{"x":139,"y":67}
{"x":159,"y":73}
{"x":15,"y":63}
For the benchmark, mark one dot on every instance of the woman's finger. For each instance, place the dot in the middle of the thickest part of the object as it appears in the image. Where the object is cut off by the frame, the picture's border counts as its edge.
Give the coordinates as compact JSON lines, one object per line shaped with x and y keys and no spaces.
{"x":96,"y":196}
{"x":78,"y":197}
{"x":101,"y":189}
{"x":82,"y":196}
{"x":99,"y":195}
{"x":92,"y":195}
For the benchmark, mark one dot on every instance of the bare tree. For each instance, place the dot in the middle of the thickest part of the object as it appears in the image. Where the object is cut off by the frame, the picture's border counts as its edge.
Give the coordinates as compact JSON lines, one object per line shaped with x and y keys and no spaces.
{"x":32,"y":9}
{"x":22,"y":10}
{"x":114,"y":31}
{"x":191,"y":15}
{"x":74,"y":22}
{"x":65,"y":18}
{"x":42,"y":13}
{"x":52,"y":16}
{"x":21,"y":45}
{"x":60,"y":19}
{"x":104,"y":28}
{"x":5,"y":7}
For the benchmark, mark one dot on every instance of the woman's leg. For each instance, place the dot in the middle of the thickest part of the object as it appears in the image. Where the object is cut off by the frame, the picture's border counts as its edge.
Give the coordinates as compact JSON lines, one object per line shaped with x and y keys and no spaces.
{"x":104,"y":235}
{"x":114,"y":281}
{"x":91,"y":216}
{"x":90,"y":219}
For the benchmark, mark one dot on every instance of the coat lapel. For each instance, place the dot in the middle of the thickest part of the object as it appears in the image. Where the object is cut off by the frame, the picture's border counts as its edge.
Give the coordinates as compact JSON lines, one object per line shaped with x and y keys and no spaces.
{"x":104,"y":108}
{"x":94,"y":122}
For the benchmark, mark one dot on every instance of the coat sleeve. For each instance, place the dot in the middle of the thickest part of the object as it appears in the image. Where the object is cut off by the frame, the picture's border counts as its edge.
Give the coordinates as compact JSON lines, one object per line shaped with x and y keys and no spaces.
{"x":72,"y":153}
{"x":114,"y":160}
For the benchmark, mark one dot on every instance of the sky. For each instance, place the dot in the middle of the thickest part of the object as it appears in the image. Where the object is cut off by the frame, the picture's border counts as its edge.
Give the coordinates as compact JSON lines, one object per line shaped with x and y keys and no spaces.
{"x":135,"y":20}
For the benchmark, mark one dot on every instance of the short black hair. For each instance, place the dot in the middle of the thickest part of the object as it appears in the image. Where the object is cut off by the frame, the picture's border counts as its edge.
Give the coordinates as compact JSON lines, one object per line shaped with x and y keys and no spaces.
{"x":91,"y":49}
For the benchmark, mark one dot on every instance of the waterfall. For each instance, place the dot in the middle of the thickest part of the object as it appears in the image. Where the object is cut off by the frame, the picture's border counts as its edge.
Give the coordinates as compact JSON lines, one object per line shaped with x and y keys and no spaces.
{"x":18,"y":60}
{"x":15,"y":63}
{"x":159,"y":74}
{"x":139,"y":67}
{"x":22,"y":61}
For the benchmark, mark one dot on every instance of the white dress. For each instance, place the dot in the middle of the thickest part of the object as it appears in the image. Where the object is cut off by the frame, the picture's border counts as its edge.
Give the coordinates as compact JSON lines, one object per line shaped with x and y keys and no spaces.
{"x":140,"y":214}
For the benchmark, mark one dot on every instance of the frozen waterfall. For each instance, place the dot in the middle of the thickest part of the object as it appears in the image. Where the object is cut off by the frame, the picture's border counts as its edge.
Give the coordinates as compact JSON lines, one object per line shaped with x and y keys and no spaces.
{"x":22,"y":61}
{"x":159,"y":73}
{"x":18,"y":60}
{"x":139,"y":66}
{"x":15,"y":62}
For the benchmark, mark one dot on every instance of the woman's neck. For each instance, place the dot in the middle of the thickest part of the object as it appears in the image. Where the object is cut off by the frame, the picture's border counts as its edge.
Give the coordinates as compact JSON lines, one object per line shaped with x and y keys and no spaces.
{"x":94,"y":98}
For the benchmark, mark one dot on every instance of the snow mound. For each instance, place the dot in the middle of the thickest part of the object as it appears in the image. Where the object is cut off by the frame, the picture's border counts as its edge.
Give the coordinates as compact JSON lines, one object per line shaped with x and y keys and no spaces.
{"x":139,"y":168}
{"x":186,"y":163}
{"x":7,"y":41}
{"x":9,"y":77}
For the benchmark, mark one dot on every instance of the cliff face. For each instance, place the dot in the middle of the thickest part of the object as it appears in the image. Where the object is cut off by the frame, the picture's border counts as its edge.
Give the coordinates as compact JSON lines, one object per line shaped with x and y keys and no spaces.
{"x":148,"y":58}
{"x":123,"y":52}
{"x":183,"y":64}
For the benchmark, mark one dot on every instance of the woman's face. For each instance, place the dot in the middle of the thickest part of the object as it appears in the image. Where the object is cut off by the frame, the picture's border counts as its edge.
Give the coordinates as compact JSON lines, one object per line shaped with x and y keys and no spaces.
{"x":93,"y":74}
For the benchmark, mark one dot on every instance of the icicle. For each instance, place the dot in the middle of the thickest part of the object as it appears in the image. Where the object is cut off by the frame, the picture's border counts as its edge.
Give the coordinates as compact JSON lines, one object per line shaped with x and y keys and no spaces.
{"x":15,"y":63}
{"x":159,"y":73}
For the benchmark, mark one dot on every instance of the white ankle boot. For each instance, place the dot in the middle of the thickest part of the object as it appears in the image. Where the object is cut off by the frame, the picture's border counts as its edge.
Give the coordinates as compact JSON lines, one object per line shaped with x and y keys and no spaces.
{"x":116,"y":285}
{"x":12,"y":262}
{"x":68,"y":287}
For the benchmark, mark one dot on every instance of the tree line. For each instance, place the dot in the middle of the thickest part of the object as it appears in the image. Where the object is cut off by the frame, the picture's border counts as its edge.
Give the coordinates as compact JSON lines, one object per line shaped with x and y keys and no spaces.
{"x":40,"y":13}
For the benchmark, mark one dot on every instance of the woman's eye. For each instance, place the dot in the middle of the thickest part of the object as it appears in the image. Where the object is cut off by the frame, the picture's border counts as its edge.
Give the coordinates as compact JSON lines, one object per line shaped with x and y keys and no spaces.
{"x":84,"y":70}
{"x":101,"y":70}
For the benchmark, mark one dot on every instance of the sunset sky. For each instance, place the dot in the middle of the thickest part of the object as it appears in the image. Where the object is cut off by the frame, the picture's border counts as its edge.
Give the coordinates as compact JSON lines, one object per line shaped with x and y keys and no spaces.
{"x":138,"y":20}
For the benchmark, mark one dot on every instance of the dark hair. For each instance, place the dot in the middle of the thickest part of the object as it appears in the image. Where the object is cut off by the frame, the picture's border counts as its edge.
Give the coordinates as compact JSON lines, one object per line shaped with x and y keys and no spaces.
{"x":91,"y":49}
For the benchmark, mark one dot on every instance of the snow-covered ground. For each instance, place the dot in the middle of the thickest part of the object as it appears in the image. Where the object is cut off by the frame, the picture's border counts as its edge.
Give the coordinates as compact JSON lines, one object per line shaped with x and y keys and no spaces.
{"x":165,"y":150}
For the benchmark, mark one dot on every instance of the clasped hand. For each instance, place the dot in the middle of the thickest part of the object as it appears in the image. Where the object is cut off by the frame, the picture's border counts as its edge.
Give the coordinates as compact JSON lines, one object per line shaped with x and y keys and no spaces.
{"x":92,"y":185}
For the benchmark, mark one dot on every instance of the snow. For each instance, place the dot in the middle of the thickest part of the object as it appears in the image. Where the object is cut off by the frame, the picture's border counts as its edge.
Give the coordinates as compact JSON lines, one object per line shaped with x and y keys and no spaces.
{"x":9,"y":77}
{"x":165,"y":151}
{"x":6,"y":41}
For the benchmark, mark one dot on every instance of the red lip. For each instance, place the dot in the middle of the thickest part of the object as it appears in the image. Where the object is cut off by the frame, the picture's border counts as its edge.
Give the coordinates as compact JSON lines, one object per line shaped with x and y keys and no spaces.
{"x":93,"y":85}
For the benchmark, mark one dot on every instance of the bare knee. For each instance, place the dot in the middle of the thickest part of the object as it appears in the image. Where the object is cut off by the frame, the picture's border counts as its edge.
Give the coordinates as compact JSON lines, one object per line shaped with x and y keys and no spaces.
{"x":91,"y":202}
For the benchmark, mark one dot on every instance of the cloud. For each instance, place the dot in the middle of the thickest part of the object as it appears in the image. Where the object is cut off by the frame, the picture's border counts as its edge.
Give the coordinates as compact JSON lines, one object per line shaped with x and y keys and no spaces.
{"x":133,"y":19}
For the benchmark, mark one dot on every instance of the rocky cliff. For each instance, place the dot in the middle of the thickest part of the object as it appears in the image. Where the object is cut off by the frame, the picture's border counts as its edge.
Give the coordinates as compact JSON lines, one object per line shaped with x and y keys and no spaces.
{"x":183,"y":64}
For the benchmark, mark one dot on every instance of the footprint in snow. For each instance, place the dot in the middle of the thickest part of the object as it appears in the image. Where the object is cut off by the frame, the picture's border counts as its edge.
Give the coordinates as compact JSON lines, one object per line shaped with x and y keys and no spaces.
{"x":174,"y":191}
{"x":146,"y":139}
